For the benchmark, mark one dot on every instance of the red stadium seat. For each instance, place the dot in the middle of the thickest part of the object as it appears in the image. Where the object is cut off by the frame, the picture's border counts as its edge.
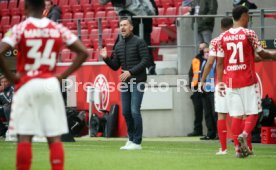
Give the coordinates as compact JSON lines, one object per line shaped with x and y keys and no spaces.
{"x":84,"y":34}
{"x":5,"y":24}
{"x":78,"y":15}
{"x":102,"y":15}
{"x":89,"y":15}
{"x":91,"y":24}
{"x":15,"y":20}
{"x":93,"y":36}
{"x":184,"y":10}
{"x":111,"y":15}
{"x":91,"y":57}
{"x":14,"y":9}
{"x":158,"y":37}
{"x":156,"y":21}
{"x":84,"y":2}
{"x":86,"y":7}
{"x":98,"y":7}
{"x":108,"y":7}
{"x":158,"y":3}
{"x":76,"y":7}
{"x":96,"y":54}
{"x":71,"y":25}
{"x":21,"y":7}
{"x":109,"y":48}
{"x":168,"y":21}
{"x":114,"y":24}
{"x":64,"y":5}
{"x":55,"y":2}
{"x":66,"y":18}
{"x":12,"y":4}
{"x":115,"y":33}
{"x":63,"y":2}
{"x":167,"y":3}
{"x":5,"y":20}
{"x":112,"y":19}
{"x":107,"y":33}
{"x":4,"y":10}
{"x":155,"y":35}
{"x":87,"y":43}
{"x":171,"y":11}
{"x":90,"y":20}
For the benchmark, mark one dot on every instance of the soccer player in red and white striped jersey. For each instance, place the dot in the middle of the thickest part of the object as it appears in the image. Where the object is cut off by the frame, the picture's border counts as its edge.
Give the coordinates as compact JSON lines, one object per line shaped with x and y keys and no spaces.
{"x":236,"y":48}
{"x":38,"y":107}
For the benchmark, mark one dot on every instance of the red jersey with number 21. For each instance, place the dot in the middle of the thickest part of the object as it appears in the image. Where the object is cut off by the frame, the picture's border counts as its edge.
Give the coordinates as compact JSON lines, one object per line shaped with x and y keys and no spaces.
{"x":39,"y":42}
{"x":237,"y":46}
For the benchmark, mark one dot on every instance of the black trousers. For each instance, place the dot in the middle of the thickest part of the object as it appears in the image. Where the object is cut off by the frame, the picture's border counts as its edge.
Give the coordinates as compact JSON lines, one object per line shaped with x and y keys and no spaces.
{"x":198,"y":109}
{"x":210,"y":114}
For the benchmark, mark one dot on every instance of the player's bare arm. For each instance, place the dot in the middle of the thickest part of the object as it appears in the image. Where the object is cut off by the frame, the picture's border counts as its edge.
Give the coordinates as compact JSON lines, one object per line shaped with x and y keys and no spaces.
{"x":207,"y":69}
{"x":4,"y":47}
{"x":82,"y":55}
{"x":220,"y":68}
{"x":267,"y":55}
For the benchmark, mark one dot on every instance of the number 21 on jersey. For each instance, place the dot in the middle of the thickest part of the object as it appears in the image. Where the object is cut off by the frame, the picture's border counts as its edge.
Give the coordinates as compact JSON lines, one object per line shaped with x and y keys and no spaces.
{"x":237,"y":52}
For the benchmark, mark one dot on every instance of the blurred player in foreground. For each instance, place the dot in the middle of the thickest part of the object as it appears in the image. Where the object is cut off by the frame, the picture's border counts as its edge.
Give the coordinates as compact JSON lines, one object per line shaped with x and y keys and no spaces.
{"x":38,"y":107}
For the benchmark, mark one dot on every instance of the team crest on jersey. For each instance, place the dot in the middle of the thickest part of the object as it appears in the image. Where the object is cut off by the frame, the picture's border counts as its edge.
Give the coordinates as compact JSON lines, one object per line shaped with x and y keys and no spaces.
{"x":102,"y":85}
{"x":8,"y":33}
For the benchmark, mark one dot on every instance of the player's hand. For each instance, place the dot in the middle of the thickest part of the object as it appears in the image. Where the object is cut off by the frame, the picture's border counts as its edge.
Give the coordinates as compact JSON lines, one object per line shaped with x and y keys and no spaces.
{"x":103,"y":52}
{"x":221,"y":88}
{"x":125,"y":75}
{"x":201,"y":86}
{"x":59,"y":78}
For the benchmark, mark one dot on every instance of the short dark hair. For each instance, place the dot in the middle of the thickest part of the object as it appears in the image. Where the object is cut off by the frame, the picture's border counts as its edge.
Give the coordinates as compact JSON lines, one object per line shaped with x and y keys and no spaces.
{"x":50,"y":1}
{"x":36,"y":5}
{"x":238,"y":11}
{"x":226,"y":22}
{"x":128,"y":18}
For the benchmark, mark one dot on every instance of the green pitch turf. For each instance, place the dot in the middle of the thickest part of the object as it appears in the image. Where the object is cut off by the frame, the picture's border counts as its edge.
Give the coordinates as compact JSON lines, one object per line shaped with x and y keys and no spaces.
{"x":157,"y":154}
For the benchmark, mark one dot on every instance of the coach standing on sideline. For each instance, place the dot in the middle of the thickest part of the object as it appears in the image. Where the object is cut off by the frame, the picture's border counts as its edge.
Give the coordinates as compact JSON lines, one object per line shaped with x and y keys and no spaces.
{"x":130,"y":53}
{"x":134,"y":8}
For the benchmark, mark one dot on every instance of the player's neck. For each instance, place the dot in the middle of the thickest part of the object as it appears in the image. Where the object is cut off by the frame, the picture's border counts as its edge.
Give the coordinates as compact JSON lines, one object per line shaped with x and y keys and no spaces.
{"x":36,"y":15}
{"x":237,"y":25}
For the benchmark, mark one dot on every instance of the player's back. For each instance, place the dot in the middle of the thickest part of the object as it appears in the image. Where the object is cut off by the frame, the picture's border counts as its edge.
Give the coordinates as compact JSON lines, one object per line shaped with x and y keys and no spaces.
{"x":39,"y":42}
{"x":239,"y":68}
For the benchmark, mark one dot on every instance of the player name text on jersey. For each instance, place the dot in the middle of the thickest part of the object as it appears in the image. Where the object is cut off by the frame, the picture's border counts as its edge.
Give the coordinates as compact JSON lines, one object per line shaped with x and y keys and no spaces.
{"x":39,"y":33}
{"x":234,"y":37}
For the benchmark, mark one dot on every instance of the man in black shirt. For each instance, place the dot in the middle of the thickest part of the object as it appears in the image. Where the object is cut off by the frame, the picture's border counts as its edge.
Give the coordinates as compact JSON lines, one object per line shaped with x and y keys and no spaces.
{"x":132,"y":55}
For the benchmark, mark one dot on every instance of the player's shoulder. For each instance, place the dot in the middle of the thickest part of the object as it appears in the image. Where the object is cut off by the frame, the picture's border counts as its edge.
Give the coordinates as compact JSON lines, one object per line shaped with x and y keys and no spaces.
{"x":249,"y":31}
{"x":221,"y":35}
{"x":22,"y":25}
{"x":214,"y":40}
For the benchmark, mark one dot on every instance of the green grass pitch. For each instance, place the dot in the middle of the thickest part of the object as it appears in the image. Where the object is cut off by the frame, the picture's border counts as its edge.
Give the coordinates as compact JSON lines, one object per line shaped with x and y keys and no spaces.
{"x":157,"y":154}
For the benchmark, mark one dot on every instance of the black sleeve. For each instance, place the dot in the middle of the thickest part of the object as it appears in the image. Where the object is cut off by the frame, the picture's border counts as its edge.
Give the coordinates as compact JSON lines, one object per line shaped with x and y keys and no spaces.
{"x":191,"y":75}
{"x":56,"y":14}
{"x":143,"y":53}
{"x":212,"y":10}
{"x":113,"y":62}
